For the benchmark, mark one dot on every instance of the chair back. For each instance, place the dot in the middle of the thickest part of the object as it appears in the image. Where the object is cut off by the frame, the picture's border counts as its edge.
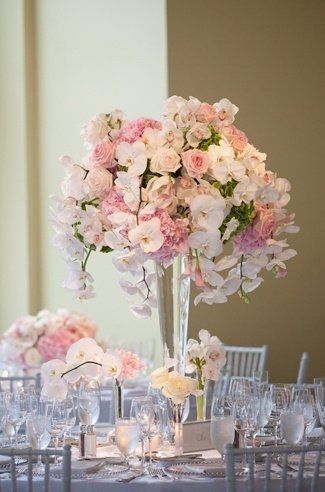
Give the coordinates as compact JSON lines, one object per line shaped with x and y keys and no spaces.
{"x":10,"y":383}
{"x":243,"y":361}
{"x":303,"y":366}
{"x":280,"y":473}
{"x":30,"y":455}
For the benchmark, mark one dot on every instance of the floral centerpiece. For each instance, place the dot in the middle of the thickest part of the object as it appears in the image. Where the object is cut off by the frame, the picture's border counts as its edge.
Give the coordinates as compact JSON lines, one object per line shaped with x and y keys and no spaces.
{"x":190,"y":191}
{"x":206,"y":358}
{"x":189,"y":185}
{"x":85,"y":359}
{"x":32,"y":340}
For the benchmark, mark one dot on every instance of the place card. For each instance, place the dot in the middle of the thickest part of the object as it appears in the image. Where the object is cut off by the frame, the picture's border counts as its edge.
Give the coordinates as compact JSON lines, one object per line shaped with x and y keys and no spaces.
{"x":196,"y":436}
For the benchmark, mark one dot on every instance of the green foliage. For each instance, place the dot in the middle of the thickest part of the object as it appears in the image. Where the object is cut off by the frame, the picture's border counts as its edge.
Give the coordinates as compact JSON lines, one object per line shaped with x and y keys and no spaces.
{"x":106,"y":249}
{"x":227,"y":189}
{"x":90,"y":202}
{"x":214,"y":139}
{"x":244,"y":213}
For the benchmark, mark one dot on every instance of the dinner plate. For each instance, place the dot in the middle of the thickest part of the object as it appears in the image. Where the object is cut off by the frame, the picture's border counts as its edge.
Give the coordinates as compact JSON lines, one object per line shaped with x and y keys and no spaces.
{"x":207,"y":469}
{"x":181,"y":472}
{"x":83,"y":471}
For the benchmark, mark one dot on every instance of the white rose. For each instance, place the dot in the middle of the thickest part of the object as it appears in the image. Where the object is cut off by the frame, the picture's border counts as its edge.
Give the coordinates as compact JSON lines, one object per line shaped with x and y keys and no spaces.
{"x":178,"y":387}
{"x":159,"y":377}
{"x":161,"y":192}
{"x":99,"y":181}
{"x":165,"y":161}
{"x":32,"y":357}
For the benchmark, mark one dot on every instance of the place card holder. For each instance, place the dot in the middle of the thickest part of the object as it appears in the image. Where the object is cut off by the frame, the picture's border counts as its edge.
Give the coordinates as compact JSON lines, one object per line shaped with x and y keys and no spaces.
{"x":196,"y":436}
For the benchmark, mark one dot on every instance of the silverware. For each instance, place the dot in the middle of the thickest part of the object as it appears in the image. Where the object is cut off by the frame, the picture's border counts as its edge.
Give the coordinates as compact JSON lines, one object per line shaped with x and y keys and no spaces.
{"x":132,"y":477}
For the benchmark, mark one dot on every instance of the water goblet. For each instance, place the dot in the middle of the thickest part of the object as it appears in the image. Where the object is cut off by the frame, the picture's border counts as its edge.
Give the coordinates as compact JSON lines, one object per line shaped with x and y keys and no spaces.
{"x":292,"y":426}
{"x":280,"y":397}
{"x":222,"y":429}
{"x":144,"y":414}
{"x":303,"y":401}
{"x":127,"y":435}
{"x":89,"y":402}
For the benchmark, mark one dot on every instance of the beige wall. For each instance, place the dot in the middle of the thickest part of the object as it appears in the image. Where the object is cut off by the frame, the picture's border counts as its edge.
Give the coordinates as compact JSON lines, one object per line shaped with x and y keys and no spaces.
{"x":267,"y":56}
{"x":64,"y":61}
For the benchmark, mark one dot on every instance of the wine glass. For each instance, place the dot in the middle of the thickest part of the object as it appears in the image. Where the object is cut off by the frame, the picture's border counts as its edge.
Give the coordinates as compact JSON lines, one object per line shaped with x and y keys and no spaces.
{"x":14,"y":416}
{"x":292,"y":426}
{"x":89,"y":402}
{"x":58,"y":423}
{"x":280,"y":397}
{"x":260,"y":377}
{"x":303,"y":401}
{"x":320,"y":404}
{"x":37,"y":432}
{"x":222,"y":427}
{"x":127,"y":435}
{"x":144,"y":414}
{"x":71,"y":415}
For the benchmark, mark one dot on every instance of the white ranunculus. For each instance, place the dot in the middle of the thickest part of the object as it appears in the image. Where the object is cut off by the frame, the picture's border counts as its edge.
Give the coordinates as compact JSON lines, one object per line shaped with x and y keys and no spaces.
{"x":164,"y":161}
{"x":147,"y":235}
{"x":208,"y":212}
{"x":159,"y":377}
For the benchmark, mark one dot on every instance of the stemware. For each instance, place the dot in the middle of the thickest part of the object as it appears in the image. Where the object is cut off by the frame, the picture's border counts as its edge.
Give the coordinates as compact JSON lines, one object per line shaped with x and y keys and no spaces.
{"x":127,"y":435}
{"x":38,"y":431}
{"x":89,"y":402}
{"x":143,"y":410}
{"x":280,"y":398}
{"x":71,"y":415}
{"x":292,"y":426}
{"x":303,"y":401}
{"x":58,"y":423}
{"x":15,"y":412}
{"x":320,"y":404}
{"x":222,"y":426}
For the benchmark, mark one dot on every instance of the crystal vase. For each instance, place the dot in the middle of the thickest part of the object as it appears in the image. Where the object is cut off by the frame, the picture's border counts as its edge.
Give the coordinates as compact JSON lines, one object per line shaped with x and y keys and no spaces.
{"x":173,"y":294}
{"x":176,"y":411}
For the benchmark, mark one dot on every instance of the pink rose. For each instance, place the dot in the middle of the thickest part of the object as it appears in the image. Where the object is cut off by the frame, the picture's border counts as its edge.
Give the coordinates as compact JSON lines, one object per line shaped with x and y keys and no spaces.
{"x":264,"y":225}
{"x":236,"y":138}
{"x":99,"y":181}
{"x":196,"y":163}
{"x":103,"y":153}
{"x":206,"y":113}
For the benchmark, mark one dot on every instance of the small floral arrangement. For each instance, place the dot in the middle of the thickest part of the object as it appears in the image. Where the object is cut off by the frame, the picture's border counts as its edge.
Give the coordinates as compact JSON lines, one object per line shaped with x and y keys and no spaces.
{"x":206,"y":358}
{"x":32,"y":340}
{"x":173,"y":385}
{"x":85,"y":359}
{"x":191,"y":184}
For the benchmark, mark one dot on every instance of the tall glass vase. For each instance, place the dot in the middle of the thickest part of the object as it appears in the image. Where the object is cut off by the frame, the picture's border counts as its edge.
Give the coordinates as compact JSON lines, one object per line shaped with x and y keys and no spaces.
{"x":118,"y":400}
{"x":173,"y":294}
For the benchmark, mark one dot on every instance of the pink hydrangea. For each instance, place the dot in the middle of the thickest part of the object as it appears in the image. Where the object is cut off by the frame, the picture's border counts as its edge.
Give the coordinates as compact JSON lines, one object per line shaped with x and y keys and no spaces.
{"x":175,"y":232}
{"x":131,"y":365}
{"x":133,"y":130}
{"x":257,"y":233}
{"x":113,"y":203}
{"x":55,"y":345}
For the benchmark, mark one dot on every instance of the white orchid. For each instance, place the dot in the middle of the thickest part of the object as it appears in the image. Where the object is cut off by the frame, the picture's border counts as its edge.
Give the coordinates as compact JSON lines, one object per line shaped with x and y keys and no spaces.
{"x":208,"y":243}
{"x":132,"y":156}
{"x":147,"y":235}
{"x":245,"y":191}
{"x":208,"y":212}
{"x":226,"y":112}
{"x":111,"y":365}
{"x":227,"y":171}
{"x":130,"y":187}
{"x":197,"y":133}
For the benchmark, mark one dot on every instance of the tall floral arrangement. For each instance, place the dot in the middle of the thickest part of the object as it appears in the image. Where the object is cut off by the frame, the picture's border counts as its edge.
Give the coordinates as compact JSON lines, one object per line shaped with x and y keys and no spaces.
{"x":191,"y":184}
{"x":32,"y":340}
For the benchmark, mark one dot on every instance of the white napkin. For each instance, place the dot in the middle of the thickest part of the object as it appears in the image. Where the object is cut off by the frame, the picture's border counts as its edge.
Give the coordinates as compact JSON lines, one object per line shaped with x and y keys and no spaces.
{"x":4,"y":460}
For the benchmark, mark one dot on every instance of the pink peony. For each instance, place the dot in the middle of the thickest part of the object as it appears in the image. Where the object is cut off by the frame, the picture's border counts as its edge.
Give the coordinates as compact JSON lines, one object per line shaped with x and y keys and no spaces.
{"x":264,"y":224}
{"x":103,"y":153}
{"x":131,"y":365}
{"x":196,"y":163}
{"x":133,"y":130}
{"x":236,"y":138}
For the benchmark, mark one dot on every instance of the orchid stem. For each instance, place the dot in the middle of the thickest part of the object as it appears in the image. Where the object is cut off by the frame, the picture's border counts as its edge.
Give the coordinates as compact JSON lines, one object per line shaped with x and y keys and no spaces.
{"x":80,"y":365}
